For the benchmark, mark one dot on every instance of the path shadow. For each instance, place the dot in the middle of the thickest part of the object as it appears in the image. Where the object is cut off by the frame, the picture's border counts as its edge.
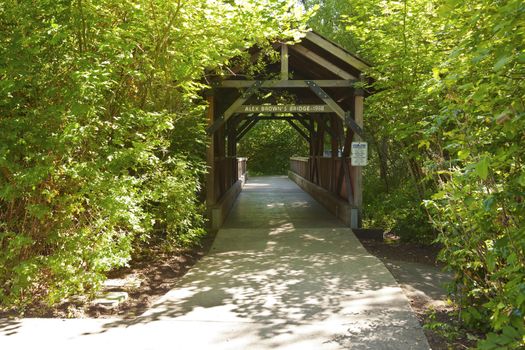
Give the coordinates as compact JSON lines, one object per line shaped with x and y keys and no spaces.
{"x":282,"y":271}
{"x":9,"y":326}
{"x":280,"y":279}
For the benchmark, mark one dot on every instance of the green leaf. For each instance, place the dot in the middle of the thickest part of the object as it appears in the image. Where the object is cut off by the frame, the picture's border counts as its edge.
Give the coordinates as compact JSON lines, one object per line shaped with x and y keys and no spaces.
{"x":439,"y":195}
{"x":487,"y":203}
{"x":482,"y":168}
{"x":521,"y":179}
{"x":491,"y":261}
{"x":463,"y":154}
{"x":511,"y":332}
{"x":424,"y":144}
{"x":500,"y":63}
{"x":435,"y":73}
{"x":482,"y":55}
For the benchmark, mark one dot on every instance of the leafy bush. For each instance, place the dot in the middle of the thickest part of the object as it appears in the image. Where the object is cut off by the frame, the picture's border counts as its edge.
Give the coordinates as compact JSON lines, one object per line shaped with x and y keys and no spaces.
{"x":480,"y":207}
{"x":391,"y":201}
{"x":102,"y":130}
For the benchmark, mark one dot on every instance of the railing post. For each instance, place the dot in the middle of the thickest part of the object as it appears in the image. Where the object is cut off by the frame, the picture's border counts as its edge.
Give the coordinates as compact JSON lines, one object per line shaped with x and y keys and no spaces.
{"x":358,"y":172}
{"x":210,"y":157}
{"x":241,"y":168}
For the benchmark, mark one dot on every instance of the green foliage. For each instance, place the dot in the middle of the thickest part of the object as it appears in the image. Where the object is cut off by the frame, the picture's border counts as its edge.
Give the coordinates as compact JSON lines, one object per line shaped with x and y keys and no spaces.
{"x":449,"y":331}
{"x":269,"y":146}
{"x":102,"y":130}
{"x":448,"y":122}
{"x":400,"y":40}
{"x":480,"y":210}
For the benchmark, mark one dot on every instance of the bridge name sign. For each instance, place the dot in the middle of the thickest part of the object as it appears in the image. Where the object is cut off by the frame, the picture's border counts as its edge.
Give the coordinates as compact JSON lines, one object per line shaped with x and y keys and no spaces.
{"x":284,"y":109}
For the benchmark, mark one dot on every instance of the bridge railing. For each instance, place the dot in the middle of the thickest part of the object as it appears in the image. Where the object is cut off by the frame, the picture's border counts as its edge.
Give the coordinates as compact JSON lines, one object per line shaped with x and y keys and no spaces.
{"x":230,"y":173}
{"x":232,"y":170}
{"x":322,"y":171}
{"x":301,"y":166}
{"x":241,"y":168}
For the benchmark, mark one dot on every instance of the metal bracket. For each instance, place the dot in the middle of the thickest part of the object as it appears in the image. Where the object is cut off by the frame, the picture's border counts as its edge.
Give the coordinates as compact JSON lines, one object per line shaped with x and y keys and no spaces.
{"x":316,"y":89}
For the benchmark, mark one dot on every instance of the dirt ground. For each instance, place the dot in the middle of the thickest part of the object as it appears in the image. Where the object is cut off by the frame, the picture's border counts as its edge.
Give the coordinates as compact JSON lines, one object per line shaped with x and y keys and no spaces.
{"x":157,"y":273}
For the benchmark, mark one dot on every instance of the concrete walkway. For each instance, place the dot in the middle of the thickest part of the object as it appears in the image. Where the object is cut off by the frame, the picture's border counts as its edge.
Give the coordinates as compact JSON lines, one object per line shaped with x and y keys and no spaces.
{"x":283,"y":273}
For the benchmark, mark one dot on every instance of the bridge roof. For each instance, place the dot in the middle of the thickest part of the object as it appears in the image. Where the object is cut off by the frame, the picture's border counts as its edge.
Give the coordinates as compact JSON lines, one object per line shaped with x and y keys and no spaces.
{"x":316,"y":55}
{"x":315,"y":58}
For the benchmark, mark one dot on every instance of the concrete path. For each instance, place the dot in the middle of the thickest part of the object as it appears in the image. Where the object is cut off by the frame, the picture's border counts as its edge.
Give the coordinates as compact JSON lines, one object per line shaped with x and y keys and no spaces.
{"x":283,"y":273}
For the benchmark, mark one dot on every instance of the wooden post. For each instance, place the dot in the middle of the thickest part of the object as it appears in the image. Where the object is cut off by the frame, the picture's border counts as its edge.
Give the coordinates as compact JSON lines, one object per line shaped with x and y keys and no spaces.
{"x":313,"y":140}
{"x":335,"y":154}
{"x":358,"y":174}
{"x":210,"y":157}
{"x":220,"y":156}
{"x":346,"y":169}
{"x":320,"y":149}
{"x":284,"y":62}
{"x":232,"y":150}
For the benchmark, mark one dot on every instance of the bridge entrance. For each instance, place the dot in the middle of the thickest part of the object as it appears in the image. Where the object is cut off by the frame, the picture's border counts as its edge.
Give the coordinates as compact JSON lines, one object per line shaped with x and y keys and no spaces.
{"x":316,"y":87}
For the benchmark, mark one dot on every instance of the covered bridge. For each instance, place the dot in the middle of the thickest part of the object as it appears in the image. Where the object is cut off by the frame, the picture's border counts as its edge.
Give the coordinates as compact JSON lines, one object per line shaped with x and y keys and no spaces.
{"x":316,"y":87}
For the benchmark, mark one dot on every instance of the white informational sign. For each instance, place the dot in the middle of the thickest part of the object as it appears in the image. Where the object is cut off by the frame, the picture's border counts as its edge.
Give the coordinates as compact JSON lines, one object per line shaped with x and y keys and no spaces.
{"x":359,"y":153}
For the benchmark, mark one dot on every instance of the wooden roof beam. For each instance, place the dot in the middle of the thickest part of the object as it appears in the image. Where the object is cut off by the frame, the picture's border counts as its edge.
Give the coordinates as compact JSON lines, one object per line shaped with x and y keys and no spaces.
{"x":337,"y":51}
{"x":287,"y":83}
{"x":322,"y":62}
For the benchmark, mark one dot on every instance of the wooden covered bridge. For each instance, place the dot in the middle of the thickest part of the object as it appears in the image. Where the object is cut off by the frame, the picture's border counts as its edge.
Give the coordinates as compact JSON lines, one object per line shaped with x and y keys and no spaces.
{"x":316,"y":87}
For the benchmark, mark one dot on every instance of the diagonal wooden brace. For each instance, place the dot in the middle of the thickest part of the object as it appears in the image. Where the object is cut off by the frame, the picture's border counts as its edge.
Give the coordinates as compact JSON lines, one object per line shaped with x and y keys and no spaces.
{"x":234,"y":106}
{"x":335,"y":107}
{"x":247,"y":126}
{"x":353,"y":125}
{"x":299,"y":130}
